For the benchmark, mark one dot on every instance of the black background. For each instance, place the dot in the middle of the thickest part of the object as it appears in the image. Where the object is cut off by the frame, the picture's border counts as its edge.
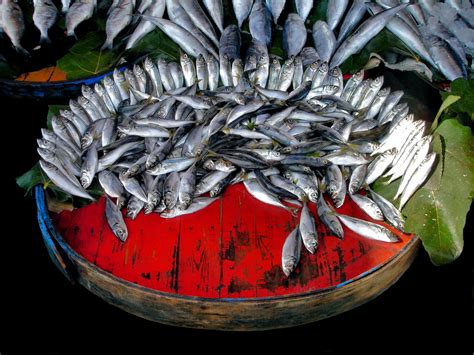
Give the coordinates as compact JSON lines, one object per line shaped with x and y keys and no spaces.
{"x":428,"y":309}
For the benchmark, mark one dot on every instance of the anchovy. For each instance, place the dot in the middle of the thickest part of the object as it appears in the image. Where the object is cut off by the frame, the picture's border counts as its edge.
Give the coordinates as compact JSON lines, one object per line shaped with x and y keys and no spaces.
{"x":368,"y":229}
{"x":290,"y":255}
{"x":115,"y":220}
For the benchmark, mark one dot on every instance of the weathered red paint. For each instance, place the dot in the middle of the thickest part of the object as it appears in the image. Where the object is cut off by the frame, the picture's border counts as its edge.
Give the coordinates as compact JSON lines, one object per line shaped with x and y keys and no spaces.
{"x":231,"y":249}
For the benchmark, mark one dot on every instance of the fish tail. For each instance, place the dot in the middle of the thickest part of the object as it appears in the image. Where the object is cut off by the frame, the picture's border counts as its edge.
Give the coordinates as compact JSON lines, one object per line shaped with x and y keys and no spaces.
{"x":107,"y":45}
{"x":44,"y":39}
{"x":71,"y":33}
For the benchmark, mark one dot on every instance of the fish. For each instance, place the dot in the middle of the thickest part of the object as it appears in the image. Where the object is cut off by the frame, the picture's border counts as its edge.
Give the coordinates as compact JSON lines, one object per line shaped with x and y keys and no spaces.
{"x":115,"y":220}
{"x":353,"y":17}
{"x":44,"y":17}
{"x":335,"y":12}
{"x":199,"y":18}
{"x":368,"y":230}
{"x":215,"y":8}
{"x":62,"y":181}
{"x":276,"y":8}
{"x":368,"y":206}
{"x":418,"y":178}
{"x":80,"y":11}
{"x":156,"y":9}
{"x":294,"y":35}
{"x":13,"y":24}
{"x":291,"y":251}
{"x":186,"y":41}
{"x":242,"y":10}
{"x":260,"y":23}
{"x":327,"y":216}
{"x":303,"y":8}
{"x":307,"y":230}
{"x":336,"y":186}
{"x":324,"y":40}
{"x":391,"y":213}
{"x":119,"y":18}
{"x":363,"y":34}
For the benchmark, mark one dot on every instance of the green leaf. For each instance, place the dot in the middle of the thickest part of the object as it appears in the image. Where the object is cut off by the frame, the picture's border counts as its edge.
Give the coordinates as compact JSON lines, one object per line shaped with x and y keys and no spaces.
{"x":465,"y":90}
{"x":448,"y":101}
{"x":437,"y":211}
{"x":85,"y":59}
{"x":32,"y":177}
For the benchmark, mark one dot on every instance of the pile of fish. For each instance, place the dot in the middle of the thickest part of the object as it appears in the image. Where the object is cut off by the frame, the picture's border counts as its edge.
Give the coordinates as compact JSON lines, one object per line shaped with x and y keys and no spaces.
{"x":439,"y":33}
{"x":166,"y":138}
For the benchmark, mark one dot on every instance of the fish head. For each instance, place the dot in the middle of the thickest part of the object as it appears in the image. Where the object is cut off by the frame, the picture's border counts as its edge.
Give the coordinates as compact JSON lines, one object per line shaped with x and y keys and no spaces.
{"x":109,"y":82}
{"x":240,"y":99}
{"x":86,"y":140}
{"x":86,"y":178}
{"x":86,"y":91}
{"x":120,"y":232}
{"x":288,"y":266}
{"x":313,"y":195}
{"x":45,"y":154}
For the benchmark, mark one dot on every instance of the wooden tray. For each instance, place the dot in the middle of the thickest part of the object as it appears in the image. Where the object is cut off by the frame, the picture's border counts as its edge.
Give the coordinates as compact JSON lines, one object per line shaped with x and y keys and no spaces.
{"x":219,"y":268}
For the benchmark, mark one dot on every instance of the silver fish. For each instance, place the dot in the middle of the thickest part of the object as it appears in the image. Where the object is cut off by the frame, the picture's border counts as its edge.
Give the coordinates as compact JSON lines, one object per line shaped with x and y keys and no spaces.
{"x":324,"y":40}
{"x":368,"y":229}
{"x":276,"y":7}
{"x":352,"y":19}
{"x":62,"y":181}
{"x":368,"y":206}
{"x":391,"y":213}
{"x":133,"y":187}
{"x":357,"y":178}
{"x":115,"y":220}
{"x":199,"y":18}
{"x":363,"y":34}
{"x":335,"y":12}
{"x":378,"y":166}
{"x":185,"y":40}
{"x":198,"y":204}
{"x":13,"y":24}
{"x":119,"y":18}
{"x":260,"y":22}
{"x":79,"y":12}
{"x":290,"y":254}
{"x":294,"y":35}
{"x":328,"y":217}
{"x":156,"y":9}
{"x":134,"y":207}
{"x":242,"y":10}
{"x":336,"y":185}
{"x":89,"y":166}
{"x":215,"y":8}
{"x":307,"y":229}
{"x":303,"y":8}
{"x":44,"y":17}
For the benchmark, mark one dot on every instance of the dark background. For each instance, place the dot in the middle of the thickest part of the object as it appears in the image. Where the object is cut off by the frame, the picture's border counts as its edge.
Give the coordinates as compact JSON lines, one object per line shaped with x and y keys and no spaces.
{"x":428,"y":309}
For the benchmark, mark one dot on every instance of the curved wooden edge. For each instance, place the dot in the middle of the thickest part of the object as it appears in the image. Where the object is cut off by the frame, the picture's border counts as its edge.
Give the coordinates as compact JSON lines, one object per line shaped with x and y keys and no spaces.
{"x":53,"y":90}
{"x":230,"y":313}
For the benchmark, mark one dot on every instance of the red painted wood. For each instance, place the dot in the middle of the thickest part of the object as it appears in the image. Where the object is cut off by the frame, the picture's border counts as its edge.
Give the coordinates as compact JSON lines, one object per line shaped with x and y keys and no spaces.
{"x":231,"y":249}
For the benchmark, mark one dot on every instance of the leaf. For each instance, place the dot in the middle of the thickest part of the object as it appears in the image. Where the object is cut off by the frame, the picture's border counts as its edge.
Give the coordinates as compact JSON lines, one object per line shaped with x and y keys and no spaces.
{"x":32,"y":177}
{"x":437,"y":211}
{"x":448,"y":101}
{"x":464,"y":89}
{"x":84,"y":59}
